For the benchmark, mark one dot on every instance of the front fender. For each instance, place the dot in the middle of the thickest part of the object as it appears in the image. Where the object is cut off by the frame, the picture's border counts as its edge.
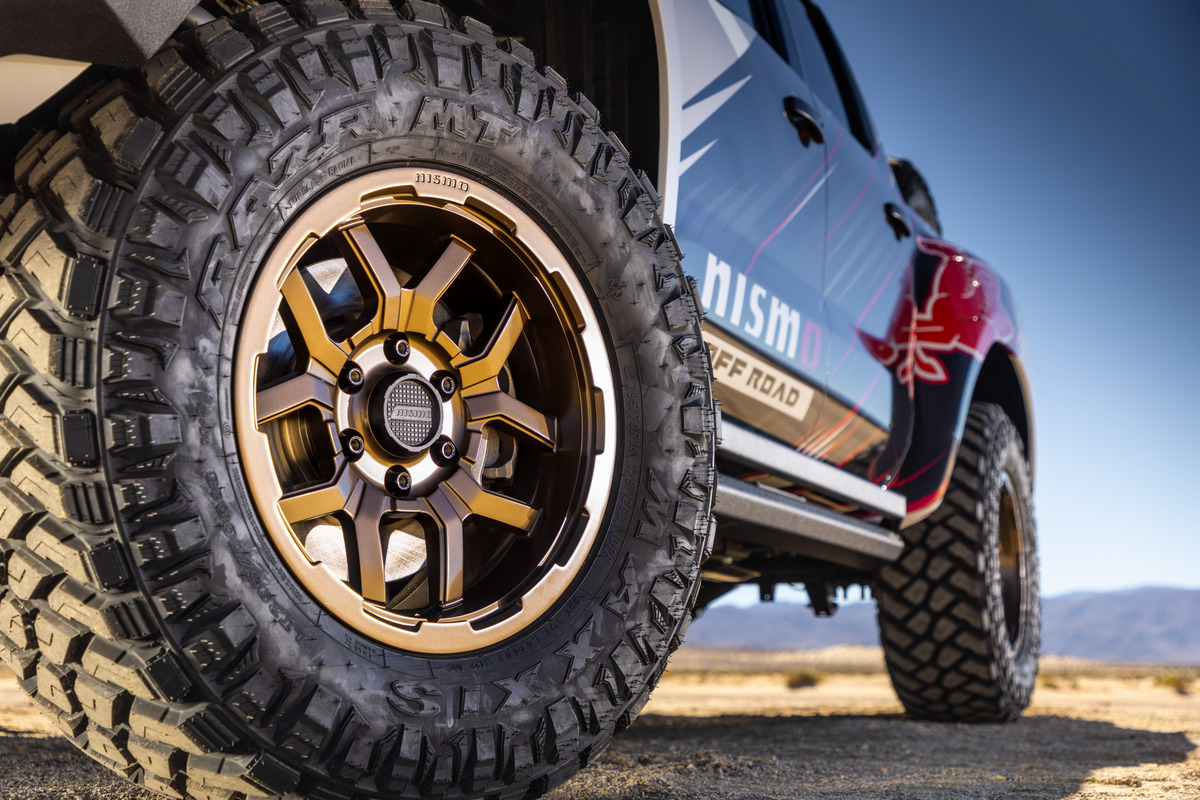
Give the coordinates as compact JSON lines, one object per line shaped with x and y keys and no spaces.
{"x":960,"y":310}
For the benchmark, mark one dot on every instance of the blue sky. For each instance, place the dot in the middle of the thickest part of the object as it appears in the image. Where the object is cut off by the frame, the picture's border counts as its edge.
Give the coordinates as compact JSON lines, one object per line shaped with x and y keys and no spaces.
{"x":1062,"y":144}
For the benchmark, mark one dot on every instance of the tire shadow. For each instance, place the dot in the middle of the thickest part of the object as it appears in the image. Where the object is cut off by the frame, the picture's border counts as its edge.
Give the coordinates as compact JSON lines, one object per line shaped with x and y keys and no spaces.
{"x":35,"y":765}
{"x":888,"y":757}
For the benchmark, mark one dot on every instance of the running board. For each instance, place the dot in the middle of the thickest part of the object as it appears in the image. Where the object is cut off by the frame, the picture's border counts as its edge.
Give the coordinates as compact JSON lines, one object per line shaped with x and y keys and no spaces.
{"x":786,"y":523}
{"x":747,"y":446}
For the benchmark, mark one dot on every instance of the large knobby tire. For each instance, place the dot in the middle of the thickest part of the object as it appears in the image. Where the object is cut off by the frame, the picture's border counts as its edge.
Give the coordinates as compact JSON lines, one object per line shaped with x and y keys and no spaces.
{"x":959,"y":612}
{"x":357,"y":436}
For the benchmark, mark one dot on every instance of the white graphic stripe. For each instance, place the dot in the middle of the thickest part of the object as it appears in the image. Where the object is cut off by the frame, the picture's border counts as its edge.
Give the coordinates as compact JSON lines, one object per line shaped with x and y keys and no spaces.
{"x":808,"y":197}
{"x":695,"y":114}
{"x":694,"y":157}
{"x":734,"y":28}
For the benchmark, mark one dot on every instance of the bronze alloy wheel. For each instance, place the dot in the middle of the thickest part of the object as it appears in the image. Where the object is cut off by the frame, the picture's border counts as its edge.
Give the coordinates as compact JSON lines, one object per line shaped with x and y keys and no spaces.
{"x":421,"y":396}
{"x":1013,"y":585}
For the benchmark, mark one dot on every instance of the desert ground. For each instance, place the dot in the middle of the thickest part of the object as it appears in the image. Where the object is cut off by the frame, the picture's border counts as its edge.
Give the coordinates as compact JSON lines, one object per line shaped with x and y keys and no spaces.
{"x":726,"y":725}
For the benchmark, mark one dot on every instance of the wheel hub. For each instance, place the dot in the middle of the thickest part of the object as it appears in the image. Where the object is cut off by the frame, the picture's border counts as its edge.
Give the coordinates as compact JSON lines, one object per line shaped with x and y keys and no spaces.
{"x":401,"y":416}
{"x":405,"y":413}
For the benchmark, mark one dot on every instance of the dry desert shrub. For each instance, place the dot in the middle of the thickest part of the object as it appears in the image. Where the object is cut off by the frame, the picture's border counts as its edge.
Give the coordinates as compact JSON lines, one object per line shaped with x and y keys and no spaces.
{"x":1182,"y":684}
{"x":803,"y":679}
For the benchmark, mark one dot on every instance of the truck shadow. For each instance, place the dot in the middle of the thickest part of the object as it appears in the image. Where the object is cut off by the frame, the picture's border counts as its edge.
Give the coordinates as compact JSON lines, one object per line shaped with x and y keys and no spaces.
{"x":874,"y":756}
{"x":884,"y":756}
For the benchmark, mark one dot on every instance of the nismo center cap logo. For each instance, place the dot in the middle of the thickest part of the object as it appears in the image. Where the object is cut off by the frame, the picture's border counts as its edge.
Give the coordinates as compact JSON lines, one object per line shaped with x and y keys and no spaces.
{"x":411,"y":412}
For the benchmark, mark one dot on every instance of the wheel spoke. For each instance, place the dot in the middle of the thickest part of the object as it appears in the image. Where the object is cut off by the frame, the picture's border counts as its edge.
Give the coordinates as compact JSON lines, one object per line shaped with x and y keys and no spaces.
{"x":293,"y":393}
{"x":307,"y":329}
{"x":487,"y":365}
{"x":480,"y":502}
{"x":369,"y":261}
{"x":369,"y":505}
{"x":421,"y":300}
{"x":319,"y":501}
{"x":445,"y":551}
{"x":504,"y":408}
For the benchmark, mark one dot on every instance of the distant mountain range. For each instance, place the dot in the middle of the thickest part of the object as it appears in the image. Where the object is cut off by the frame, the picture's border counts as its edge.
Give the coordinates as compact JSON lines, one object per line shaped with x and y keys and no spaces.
{"x":1151,"y":625}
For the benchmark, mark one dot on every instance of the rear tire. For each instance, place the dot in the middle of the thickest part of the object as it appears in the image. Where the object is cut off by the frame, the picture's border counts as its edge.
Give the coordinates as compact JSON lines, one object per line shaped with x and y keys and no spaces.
{"x":959,"y":612}
{"x":150,"y":601}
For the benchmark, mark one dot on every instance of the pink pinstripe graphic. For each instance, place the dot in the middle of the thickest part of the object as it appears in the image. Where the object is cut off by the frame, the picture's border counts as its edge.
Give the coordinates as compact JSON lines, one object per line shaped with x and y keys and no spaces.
{"x":793,"y":210}
{"x":908,"y":479}
{"x":820,"y":446}
{"x":854,"y":205}
{"x":858,"y":324}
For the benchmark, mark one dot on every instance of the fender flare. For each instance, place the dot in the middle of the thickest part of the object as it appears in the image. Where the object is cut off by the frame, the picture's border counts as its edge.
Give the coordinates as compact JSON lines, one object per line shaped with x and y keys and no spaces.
{"x":962,"y":344}
{"x":117,"y":33}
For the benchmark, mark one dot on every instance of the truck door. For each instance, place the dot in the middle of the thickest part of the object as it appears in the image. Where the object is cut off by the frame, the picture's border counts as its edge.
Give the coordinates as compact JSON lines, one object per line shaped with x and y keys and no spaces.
{"x":868,"y":248}
{"x":751,"y":213}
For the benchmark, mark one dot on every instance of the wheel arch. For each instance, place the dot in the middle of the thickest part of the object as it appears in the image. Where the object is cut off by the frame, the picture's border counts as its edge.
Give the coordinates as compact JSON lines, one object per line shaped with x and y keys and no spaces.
{"x":622,"y":64}
{"x":1002,"y":381}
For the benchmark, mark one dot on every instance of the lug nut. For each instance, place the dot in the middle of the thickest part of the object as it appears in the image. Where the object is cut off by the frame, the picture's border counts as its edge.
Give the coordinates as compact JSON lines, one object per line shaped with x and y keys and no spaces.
{"x":352,"y":378}
{"x":396,"y":348}
{"x":397,"y":481}
{"x":353,"y":444}
{"x":445,"y":383}
{"x":444,"y":452}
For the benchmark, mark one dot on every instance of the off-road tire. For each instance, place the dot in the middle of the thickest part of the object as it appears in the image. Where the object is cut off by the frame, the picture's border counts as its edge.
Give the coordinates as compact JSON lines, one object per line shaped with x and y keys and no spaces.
{"x":959,"y":612}
{"x":142,"y":605}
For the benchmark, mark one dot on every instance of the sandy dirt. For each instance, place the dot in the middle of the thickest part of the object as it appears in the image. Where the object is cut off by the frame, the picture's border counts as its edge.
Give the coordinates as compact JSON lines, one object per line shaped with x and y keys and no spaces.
{"x":725,"y":725}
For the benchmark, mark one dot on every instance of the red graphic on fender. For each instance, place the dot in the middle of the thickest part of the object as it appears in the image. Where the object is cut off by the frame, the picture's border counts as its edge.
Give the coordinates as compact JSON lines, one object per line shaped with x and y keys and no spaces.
{"x":962,"y":313}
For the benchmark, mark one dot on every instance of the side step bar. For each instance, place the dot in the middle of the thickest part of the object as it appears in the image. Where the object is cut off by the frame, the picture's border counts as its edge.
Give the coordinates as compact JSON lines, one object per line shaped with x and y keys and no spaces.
{"x":786,"y":522}
{"x":760,"y":452}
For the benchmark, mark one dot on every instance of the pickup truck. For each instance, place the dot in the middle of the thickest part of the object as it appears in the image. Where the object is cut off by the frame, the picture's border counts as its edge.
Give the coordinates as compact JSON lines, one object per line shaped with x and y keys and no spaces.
{"x":365,"y":433}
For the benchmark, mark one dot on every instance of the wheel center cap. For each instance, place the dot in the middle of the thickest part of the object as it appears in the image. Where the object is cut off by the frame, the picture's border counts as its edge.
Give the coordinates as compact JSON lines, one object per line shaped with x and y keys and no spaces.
{"x":406,"y":413}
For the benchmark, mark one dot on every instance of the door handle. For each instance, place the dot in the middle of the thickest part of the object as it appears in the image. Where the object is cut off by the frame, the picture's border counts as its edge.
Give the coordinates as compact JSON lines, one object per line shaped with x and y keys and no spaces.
{"x":895,"y":218}
{"x":801,"y":115}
